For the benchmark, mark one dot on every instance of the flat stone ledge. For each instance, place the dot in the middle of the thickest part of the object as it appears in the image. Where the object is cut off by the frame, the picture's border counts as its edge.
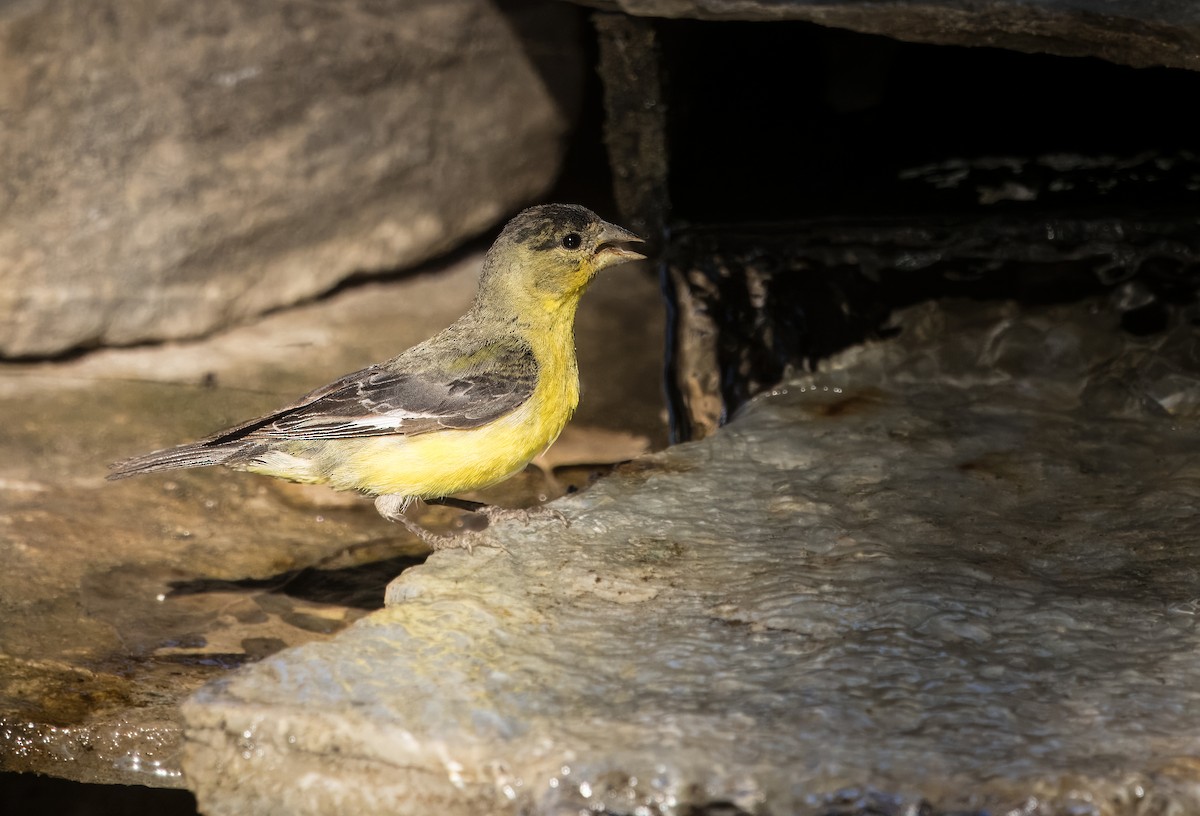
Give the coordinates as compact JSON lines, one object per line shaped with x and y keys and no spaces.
{"x":957,"y":577}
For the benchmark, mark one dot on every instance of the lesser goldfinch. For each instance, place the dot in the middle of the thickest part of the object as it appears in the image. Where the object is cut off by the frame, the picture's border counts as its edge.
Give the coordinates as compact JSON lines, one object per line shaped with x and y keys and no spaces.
{"x":460,"y":411}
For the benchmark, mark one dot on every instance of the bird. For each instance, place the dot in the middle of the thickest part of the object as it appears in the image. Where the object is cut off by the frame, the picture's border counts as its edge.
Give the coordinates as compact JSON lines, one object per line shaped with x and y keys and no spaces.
{"x":462,"y":410}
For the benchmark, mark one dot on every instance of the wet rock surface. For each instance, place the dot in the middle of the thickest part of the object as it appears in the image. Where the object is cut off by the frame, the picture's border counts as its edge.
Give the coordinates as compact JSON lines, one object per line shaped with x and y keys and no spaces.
{"x":954,"y":571}
{"x":119,"y":599}
{"x":171,"y":169}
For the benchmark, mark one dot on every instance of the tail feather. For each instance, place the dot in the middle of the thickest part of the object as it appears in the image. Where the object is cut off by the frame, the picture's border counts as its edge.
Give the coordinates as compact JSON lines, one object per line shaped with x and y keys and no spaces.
{"x":196,"y":454}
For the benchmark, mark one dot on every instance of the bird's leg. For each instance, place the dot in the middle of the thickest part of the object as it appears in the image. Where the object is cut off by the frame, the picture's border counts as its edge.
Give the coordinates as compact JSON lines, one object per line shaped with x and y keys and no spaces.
{"x":392,"y":507}
{"x":493,"y":513}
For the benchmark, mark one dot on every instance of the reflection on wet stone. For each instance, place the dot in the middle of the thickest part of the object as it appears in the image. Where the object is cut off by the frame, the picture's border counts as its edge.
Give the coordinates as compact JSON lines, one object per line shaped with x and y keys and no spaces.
{"x":944,"y":574}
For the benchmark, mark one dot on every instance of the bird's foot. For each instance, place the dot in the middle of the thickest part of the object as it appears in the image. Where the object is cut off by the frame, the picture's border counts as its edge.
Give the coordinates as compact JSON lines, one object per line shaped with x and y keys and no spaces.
{"x":493,"y":513}
{"x":392,"y":508}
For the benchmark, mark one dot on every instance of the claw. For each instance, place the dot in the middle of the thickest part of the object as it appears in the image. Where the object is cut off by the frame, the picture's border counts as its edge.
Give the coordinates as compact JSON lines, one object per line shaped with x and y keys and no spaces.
{"x":392,"y":508}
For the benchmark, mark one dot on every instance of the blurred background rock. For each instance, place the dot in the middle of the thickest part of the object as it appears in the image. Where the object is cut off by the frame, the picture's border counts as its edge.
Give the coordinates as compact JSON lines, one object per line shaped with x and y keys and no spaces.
{"x":169,"y":168}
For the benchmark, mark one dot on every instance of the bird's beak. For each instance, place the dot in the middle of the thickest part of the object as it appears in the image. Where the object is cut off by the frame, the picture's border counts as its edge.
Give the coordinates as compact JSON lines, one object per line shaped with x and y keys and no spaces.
{"x":609,"y":253}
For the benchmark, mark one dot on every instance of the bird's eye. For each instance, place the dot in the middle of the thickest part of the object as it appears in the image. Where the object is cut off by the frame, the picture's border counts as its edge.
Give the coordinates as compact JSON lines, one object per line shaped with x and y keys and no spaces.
{"x":571,"y":240}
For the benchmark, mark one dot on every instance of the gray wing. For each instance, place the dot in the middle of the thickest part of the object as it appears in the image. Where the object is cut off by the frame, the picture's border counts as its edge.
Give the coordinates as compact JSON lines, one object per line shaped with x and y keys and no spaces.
{"x":412,"y":399}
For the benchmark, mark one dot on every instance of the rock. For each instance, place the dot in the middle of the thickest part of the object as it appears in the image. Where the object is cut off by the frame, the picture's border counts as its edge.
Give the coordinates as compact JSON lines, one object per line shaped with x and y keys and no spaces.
{"x":751,"y":302}
{"x":173,"y":168}
{"x":933,"y":578}
{"x":1010,"y":209}
{"x":1125,"y":31}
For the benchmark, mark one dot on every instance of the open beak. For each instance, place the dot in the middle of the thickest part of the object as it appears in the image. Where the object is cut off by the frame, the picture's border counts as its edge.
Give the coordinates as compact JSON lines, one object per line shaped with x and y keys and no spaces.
{"x":609,"y":252}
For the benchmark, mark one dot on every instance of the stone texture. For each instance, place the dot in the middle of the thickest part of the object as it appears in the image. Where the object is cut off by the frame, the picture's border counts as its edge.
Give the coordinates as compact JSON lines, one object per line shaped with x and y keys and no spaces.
{"x":996,"y":203}
{"x":119,"y":599}
{"x":170,"y":168}
{"x":751,"y":301}
{"x":953,"y":572}
{"x":1130,"y":32}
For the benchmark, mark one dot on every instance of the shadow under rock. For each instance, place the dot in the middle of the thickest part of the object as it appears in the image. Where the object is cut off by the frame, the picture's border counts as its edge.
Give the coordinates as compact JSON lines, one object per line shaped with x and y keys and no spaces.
{"x":360,"y":586}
